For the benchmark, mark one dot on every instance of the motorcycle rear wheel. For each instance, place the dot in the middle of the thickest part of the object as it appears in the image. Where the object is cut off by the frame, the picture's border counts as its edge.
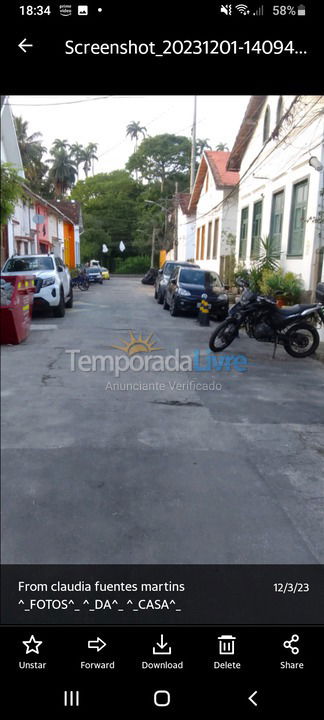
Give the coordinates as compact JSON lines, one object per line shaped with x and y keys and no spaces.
{"x":222,"y":336}
{"x":300,"y":344}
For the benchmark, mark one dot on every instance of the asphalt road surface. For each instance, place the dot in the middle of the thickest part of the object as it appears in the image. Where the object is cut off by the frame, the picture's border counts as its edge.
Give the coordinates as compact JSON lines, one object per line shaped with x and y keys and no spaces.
{"x":99,"y":474}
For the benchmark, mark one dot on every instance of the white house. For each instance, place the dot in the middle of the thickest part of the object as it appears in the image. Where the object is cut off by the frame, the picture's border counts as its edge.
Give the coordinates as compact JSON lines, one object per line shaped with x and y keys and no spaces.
{"x":186,"y":229}
{"x":56,"y":231}
{"x":214,"y":200}
{"x":276,"y":151}
{"x":10,"y":153}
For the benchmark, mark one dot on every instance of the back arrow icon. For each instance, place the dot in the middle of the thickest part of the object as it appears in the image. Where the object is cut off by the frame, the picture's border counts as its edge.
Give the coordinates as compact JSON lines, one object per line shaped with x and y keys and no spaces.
{"x":23,"y":45}
{"x":251,"y":698}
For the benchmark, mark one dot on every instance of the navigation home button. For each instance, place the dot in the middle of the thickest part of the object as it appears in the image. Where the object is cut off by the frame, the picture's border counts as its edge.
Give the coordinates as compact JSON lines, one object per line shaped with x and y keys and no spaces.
{"x":162,"y":698}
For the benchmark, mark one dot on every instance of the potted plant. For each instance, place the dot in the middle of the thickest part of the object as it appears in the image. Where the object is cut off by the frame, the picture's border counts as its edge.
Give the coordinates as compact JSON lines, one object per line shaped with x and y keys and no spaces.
{"x":285,"y":287}
{"x":293,"y":286}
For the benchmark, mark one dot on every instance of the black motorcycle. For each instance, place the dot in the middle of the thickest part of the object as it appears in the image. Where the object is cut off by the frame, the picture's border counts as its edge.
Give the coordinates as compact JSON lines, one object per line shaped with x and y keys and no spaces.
{"x":293,"y":327}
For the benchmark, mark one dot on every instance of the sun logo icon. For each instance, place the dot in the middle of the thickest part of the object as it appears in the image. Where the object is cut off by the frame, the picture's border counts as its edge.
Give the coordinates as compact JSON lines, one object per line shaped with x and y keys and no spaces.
{"x":137,"y":345}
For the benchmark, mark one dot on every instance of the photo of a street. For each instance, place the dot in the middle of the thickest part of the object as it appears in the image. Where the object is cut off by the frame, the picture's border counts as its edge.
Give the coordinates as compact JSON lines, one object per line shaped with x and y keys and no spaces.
{"x":162,"y":329}
{"x":90,"y":475}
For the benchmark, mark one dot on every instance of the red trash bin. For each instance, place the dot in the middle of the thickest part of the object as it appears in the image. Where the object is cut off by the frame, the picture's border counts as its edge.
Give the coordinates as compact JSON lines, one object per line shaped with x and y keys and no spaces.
{"x":16,"y":308}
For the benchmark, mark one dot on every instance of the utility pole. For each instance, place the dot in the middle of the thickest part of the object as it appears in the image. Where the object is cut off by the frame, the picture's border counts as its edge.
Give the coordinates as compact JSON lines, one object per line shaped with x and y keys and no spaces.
{"x":193,"y":147}
{"x":153,"y":247}
{"x":176,"y":223}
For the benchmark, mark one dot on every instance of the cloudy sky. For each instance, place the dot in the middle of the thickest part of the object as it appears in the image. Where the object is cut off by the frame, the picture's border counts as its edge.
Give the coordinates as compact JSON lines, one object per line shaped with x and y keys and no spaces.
{"x":103,"y":120}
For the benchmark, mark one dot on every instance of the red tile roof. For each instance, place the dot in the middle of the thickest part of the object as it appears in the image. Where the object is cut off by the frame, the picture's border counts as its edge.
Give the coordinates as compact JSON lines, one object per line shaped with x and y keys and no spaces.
{"x":184,"y":200}
{"x":246,"y":131}
{"x":217,"y":161}
{"x":72,"y":210}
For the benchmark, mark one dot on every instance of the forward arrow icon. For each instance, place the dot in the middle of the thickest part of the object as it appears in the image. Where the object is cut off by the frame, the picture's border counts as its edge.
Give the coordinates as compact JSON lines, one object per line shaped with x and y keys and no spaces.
{"x":98,"y":644}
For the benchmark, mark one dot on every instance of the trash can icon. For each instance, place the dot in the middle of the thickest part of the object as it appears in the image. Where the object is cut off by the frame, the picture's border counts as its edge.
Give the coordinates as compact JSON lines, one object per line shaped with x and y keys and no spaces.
{"x":16,"y":303}
{"x":226,"y":644}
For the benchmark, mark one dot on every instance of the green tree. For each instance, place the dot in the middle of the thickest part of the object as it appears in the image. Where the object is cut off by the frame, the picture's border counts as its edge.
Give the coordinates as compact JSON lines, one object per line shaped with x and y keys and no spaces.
{"x":77,"y":153}
{"x":11,"y":191}
{"x":89,"y":155}
{"x":135,"y":129}
{"x":31,"y":151}
{"x":222,"y":147}
{"x":161,"y":158}
{"x":63,"y":171}
{"x":110,"y":211}
{"x":201,"y":145}
{"x":59,"y":145}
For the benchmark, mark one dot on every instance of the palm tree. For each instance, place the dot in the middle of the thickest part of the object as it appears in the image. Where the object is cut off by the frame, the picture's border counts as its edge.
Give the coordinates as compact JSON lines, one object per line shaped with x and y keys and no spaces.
{"x":201,"y":145}
{"x":134,"y":129}
{"x":89,"y":155}
{"x":221,"y":147}
{"x":59,"y":145}
{"x":30,"y":148}
{"x":77,"y":153}
{"x":62,"y":172}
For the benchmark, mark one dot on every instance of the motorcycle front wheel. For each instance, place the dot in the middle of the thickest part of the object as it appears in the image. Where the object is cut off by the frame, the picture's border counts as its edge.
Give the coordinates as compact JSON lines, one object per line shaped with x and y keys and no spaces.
{"x":222,"y":336}
{"x":301,"y":340}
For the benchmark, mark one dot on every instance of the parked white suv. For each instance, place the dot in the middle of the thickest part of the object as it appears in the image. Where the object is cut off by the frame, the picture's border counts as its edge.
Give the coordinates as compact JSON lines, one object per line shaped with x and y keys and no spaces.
{"x":52,"y":280}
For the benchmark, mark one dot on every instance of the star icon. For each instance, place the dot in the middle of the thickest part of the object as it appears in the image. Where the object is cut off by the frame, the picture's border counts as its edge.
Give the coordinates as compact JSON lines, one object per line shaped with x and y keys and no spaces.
{"x":32,"y":645}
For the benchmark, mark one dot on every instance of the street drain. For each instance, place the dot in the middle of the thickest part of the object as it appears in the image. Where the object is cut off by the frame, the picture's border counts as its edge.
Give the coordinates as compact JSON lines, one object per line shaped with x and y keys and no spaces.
{"x":177,"y":403}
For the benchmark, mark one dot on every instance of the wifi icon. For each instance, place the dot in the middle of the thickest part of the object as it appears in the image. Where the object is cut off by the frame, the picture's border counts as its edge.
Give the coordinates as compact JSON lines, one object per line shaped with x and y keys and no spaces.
{"x":243,"y":9}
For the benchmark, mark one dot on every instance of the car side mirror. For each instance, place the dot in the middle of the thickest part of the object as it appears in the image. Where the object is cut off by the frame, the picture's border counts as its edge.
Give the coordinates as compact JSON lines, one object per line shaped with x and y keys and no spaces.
{"x":160,"y":271}
{"x":60,"y":269}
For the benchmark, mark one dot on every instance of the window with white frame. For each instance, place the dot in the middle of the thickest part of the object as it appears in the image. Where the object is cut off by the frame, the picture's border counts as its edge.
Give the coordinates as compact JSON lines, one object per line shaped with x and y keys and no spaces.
{"x":277,"y":211}
{"x":243,"y":233}
{"x":298,"y":219}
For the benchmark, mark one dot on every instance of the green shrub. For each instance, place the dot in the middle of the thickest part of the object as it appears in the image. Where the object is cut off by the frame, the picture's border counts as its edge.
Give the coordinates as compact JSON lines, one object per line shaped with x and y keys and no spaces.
{"x":287,"y":284}
{"x":137,"y":264}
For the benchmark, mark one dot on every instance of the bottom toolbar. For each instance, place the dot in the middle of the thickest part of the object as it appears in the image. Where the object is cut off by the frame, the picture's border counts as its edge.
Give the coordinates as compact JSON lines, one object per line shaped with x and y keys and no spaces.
{"x":162,"y":670}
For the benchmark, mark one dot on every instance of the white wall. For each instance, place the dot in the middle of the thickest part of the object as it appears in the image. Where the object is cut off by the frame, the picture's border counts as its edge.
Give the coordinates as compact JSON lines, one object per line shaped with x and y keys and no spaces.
{"x":227,"y":220}
{"x":77,"y":244}
{"x":24,"y":229}
{"x":9,"y":144}
{"x":186,"y":236}
{"x":283,"y":163}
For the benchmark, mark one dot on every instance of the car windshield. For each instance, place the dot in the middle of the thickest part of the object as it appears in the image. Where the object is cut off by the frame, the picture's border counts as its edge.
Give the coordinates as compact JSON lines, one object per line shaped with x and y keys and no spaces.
{"x":213,"y":279}
{"x":200,"y":277}
{"x":168,"y":268}
{"x":29,"y":264}
{"x":93,"y":270}
{"x":192,"y":277}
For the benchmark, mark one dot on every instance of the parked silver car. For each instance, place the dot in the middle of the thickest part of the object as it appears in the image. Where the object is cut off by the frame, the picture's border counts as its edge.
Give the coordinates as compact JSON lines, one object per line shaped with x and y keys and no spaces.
{"x":164,"y":275}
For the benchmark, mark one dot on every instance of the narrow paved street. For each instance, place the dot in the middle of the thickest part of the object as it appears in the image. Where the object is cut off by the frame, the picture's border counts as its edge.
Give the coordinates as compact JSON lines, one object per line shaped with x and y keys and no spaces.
{"x":92,"y":474}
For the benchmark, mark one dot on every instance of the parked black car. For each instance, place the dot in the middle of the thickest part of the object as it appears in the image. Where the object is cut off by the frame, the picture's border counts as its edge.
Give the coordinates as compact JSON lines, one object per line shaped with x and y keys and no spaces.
{"x":186,"y":286}
{"x":94,"y":274}
{"x":164,"y":275}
